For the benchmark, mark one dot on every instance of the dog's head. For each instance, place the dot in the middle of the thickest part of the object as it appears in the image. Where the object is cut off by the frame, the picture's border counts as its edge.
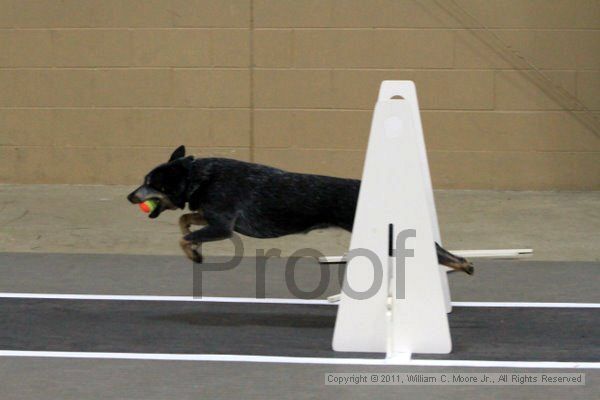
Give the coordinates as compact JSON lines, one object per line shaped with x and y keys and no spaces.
{"x":167,"y":184}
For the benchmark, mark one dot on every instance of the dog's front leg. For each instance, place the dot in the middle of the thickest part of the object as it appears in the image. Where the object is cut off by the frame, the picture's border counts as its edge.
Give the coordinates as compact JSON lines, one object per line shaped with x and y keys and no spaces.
{"x":218,"y":229}
{"x":187,"y":220}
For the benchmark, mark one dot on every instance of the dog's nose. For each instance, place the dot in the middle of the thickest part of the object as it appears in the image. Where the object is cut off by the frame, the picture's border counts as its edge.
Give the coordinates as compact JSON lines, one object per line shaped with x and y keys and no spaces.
{"x":133,"y":198}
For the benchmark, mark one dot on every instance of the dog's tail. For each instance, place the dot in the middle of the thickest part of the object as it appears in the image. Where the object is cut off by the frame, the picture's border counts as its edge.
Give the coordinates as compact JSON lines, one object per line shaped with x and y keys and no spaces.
{"x":453,"y":261}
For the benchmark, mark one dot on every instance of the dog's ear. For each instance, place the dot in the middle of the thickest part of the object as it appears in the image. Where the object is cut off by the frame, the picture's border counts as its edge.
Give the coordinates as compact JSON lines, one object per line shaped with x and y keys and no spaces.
{"x":178,"y":153}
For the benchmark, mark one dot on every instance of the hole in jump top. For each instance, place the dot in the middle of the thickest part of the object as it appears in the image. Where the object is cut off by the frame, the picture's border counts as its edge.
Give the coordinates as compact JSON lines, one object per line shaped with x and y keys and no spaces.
{"x":397,"y":97}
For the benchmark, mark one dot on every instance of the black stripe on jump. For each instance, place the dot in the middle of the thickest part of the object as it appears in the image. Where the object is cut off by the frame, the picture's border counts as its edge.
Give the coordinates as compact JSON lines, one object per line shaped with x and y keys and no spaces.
{"x":391,"y":240}
{"x":509,"y":334}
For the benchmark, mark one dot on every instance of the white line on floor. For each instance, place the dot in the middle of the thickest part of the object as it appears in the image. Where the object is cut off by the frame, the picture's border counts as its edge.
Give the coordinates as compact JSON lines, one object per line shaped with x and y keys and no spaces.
{"x":204,"y":299}
{"x":303,"y":360}
{"x":58,"y":296}
{"x":523,"y":304}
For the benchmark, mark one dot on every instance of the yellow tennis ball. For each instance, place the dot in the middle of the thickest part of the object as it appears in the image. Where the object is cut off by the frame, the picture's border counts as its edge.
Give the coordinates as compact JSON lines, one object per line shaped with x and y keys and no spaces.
{"x":148,"y":206}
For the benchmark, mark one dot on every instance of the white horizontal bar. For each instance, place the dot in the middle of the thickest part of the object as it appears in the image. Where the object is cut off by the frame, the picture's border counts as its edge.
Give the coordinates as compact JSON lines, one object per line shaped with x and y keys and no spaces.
{"x":250,"y":300}
{"x":404,"y":361}
{"x":497,"y":253}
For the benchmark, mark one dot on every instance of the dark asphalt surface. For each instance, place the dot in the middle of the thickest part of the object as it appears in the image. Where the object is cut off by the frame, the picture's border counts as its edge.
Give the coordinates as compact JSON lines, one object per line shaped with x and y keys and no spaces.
{"x":481,"y":333}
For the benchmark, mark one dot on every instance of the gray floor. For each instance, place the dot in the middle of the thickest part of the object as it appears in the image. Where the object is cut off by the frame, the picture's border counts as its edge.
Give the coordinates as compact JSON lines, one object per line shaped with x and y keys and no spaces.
{"x":165,"y":380}
{"x":561,"y":227}
{"x":32,"y":378}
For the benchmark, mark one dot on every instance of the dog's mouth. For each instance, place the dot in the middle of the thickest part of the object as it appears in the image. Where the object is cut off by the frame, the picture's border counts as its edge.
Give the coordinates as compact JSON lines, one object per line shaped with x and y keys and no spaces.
{"x":157,"y":210}
{"x":145,"y":193}
{"x":162,"y":203}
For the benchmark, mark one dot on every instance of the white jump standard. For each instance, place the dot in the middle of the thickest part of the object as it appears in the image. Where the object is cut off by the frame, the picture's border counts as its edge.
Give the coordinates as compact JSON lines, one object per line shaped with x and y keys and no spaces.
{"x":396,"y":211}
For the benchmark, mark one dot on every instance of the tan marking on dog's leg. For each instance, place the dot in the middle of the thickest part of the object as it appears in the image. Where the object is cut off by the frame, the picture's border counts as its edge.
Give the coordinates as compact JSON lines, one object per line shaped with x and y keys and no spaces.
{"x":187,"y":220}
{"x":464,"y":266}
{"x":190,"y":251}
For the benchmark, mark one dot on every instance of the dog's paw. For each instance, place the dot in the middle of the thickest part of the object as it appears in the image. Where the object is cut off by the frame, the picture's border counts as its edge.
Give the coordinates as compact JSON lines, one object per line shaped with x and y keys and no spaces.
{"x":196,"y":257}
{"x":469,"y":269}
{"x":190,"y":250}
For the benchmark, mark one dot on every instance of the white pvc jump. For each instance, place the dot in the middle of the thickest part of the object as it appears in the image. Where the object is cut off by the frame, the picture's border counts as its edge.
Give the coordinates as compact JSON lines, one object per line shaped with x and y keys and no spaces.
{"x":396,"y":194}
{"x":497,"y":253}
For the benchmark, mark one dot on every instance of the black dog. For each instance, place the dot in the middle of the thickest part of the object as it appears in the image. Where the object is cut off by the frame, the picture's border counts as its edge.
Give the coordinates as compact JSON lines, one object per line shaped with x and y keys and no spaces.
{"x":254,"y":200}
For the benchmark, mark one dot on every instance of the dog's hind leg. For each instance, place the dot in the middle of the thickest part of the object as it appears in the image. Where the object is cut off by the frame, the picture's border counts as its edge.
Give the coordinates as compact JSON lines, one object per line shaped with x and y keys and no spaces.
{"x":455,"y":262}
{"x":218,"y":228}
{"x":187,"y":220}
